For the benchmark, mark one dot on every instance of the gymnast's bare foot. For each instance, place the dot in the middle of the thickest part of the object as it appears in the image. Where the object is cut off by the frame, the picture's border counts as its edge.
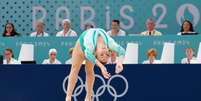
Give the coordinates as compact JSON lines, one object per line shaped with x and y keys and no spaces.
{"x":68,"y":98}
{"x":88,"y":98}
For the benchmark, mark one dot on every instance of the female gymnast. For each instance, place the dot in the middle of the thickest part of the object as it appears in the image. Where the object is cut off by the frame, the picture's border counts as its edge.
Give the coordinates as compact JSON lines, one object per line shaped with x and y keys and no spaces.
{"x":92,"y":46}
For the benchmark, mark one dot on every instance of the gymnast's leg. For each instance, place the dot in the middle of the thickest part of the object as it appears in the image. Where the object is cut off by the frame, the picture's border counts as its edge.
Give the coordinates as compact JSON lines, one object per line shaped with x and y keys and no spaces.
{"x":77,"y":60}
{"x":90,"y":78}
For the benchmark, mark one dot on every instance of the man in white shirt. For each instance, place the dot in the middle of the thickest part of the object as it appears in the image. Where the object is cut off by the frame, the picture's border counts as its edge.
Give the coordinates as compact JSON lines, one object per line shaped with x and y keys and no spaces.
{"x":52,"y":57}
{"x":67,"y":31}
{"x":8,"y":53}
{"x":151,"y":31}
{"x":39,"y":30}
{"x":189,"y":56}
{"x":116,"y":31}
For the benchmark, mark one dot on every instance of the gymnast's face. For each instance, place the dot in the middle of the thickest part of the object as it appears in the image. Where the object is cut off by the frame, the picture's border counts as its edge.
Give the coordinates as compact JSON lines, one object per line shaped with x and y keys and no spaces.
{"x":102,"y":54}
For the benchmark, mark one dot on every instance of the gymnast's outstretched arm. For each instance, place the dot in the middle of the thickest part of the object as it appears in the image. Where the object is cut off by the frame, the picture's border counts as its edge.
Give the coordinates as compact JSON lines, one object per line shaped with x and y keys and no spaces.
{"x":120,"y":51}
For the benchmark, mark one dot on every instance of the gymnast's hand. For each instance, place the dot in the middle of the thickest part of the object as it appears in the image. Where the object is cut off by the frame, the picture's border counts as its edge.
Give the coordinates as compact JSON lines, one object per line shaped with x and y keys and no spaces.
{"x":118,"y":68}
{"x":103,"y":69}
{"x":105,"y":74}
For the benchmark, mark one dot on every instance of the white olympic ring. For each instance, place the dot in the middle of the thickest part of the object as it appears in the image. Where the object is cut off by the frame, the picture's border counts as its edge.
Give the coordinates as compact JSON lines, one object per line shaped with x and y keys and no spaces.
{"x":100,"y":91}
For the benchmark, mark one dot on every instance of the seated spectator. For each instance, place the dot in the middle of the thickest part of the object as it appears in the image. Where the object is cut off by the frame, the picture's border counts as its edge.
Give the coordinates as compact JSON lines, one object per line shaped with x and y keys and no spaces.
{"x":39,"y":30}
{"x":152,"y":54}
{"x":113,"y":58}
{"x":116,"y":31}
{"x":9,"y":57}
{"x":187,"y":28}
{"x":151,"y":31}
{"x":69,"y":61}
{"x":189,"y":56}
{"x":67,"y":31}
{"x":10,"y":31}
{"x":52,"y":57}
{"x":89,"y":26}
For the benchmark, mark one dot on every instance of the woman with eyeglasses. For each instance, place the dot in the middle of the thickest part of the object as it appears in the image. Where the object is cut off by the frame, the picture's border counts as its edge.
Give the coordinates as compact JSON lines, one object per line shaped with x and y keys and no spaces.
{"x":9,"y":57}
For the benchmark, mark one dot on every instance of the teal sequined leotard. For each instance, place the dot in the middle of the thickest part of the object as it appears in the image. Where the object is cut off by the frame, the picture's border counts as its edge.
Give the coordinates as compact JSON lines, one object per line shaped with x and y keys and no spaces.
{"x":88,"y":41}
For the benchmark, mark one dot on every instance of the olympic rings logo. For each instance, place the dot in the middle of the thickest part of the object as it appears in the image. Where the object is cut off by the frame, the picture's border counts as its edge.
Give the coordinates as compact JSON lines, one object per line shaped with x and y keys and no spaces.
{"x":100,"y":90}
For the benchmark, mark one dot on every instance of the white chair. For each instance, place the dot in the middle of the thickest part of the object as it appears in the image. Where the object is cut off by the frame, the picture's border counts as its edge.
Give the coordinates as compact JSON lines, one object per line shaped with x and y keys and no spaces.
{"x":26,"y":52}
{"x":198,"y":59}
{"x":168,"y":53}
{"x":199,"y":54}
{"x":131,"y":56}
